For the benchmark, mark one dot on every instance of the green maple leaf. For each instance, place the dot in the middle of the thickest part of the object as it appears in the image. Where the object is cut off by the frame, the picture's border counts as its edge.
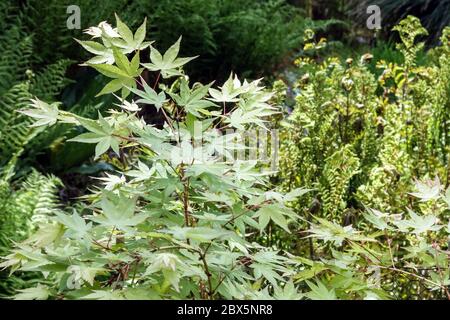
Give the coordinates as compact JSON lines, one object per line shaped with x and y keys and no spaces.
{"x":129,"y":42}
{"x":419,"y":224}
{"x":168,"y":63}
{"x":427,"y":190}
{"x":123,"y":73}
{"x":193,"y":99}
{"x":319,"y":291}
{"x":39,"y":292}
{"x":101,"y":133}
{"x":118,"y":211}
{"x":149,"y":96}
{"x":103,"y":55}
{"x":76,"y":225}
{"x":275,"y":212}
{"x":229,"y":92}
{"x":47,"y":234}
{"x":45,"y":114}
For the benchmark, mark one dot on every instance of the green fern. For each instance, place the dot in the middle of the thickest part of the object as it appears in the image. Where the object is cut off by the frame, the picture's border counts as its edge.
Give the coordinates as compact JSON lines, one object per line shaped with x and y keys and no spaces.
{"x":22,"y":203}
{"x":338,"y":171}
{"x":21,"y":208}
{"x":14,"y":127}
{"x":47,"y":84}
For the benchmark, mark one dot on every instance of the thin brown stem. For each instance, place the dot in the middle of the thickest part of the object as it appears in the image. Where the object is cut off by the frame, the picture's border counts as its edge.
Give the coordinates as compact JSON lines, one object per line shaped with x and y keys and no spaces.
{"x":157,"y":80}
{"x":208,"y":274}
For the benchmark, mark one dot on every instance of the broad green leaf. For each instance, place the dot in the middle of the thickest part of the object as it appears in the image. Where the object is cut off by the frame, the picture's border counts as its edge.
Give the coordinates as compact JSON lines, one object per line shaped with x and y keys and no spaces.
{"x":168,"y":63}
{"x":319,"y":291}
{"x":45,"y":114}
{"x":118,"y":211}
{"x":275,"y":212}
{"x":39,"y":292}
{"x":201,"y":234}
{"x":46,"y":235}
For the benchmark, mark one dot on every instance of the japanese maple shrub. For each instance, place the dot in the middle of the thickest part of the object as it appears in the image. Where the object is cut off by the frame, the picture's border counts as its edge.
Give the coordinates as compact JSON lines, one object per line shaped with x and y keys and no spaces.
{"x":178,"y":221}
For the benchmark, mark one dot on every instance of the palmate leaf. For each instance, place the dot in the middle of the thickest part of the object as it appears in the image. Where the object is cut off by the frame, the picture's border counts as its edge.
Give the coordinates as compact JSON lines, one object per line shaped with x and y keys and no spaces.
{"x":118,"y":212}
{"x":167,"y":263}
{"x":101,"y":133}
{"x":193,"y":99}
{"x":319,"y":291}
{"x":129,"y":42}
{"x":229,"y":92}
{"x":142,"y":173}
{"x":46,"y":234}
{"x":45,"y":114}
{"x":377,"y":219}
{"x":76,"y":225}
{"x":39,"y":292}
{"x":169,"y":63}
{"x":275,"y":212}
{"x":427,"y":190}
{"x":149,"y":96}
{"x":288,"y":292}
{"x":240,"y":118}
{"x":84,"y":273}
{"x":266,"y":271}
{"x":112,"y":181}
{"x":102,"y":53}
{"x":121,"y":39}
{"x":330,"y":231}
{"x":419,"y":224}
{"x":123,"y":73}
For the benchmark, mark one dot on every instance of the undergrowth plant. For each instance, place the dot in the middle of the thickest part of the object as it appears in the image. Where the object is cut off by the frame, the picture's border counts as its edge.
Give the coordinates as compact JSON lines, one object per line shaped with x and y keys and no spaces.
{"x":384,"y":255}
{"x":248,"y":36}
{"x":362,"y":141}
{"x":23,"y":204}
{"x":25,"y":193}
{"x":359,"y":142}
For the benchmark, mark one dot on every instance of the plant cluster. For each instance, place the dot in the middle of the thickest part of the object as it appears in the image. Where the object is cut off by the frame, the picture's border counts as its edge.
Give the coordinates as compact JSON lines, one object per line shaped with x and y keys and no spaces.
{"x":25,"y":194}
{"x":177,"y":221}
{"x":359,"y":143}
{"x":250,"y":37}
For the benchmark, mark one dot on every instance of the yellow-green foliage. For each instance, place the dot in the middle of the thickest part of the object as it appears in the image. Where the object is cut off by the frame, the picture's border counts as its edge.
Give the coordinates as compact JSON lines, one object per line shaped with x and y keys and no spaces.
{"x":364,"y":145}
{"x":360,"y":141}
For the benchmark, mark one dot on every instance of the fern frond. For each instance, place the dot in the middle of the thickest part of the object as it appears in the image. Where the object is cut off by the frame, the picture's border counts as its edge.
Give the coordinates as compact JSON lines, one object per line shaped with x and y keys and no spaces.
{"x":14,"y":127}
{"x":16,"y":52}
{"x":49,"y":82}
{"x":37,"y":197}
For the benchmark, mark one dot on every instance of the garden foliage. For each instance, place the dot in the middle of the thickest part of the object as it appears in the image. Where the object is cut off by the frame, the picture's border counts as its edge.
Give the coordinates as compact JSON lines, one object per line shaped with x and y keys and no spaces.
{"x":178,"y":221}
{"x":232,"y":34}
{"x":358,"y":210}
{"x":360,"y":143}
